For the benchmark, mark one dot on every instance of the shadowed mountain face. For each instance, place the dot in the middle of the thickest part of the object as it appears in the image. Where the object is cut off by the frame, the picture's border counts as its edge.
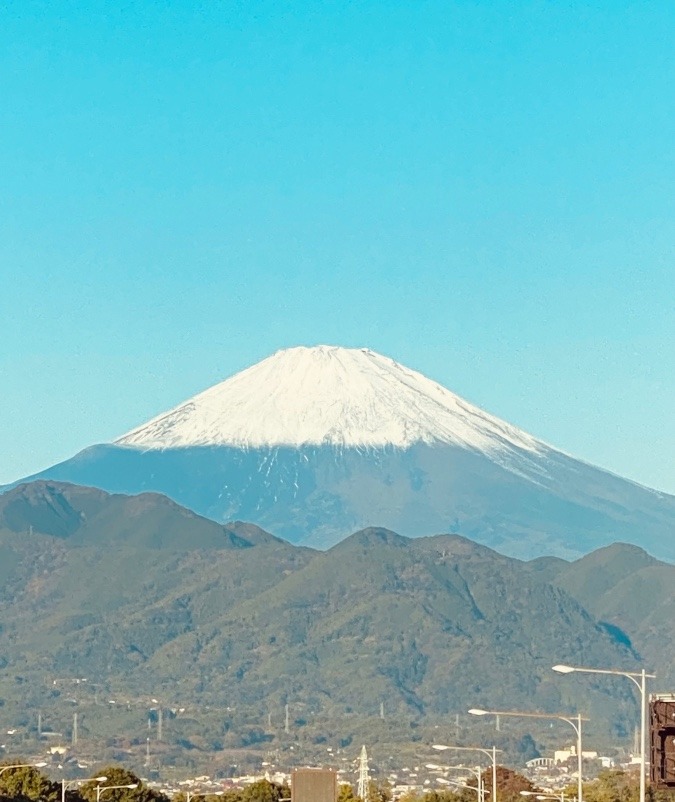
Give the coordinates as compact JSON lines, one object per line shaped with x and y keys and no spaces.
{"x":632,"y":595}
{"x":148,"y":597}
{"x":97,"y":582}
{"x":532,"y":505}
{"x":88,"y":517}
{"x":315,"y":443}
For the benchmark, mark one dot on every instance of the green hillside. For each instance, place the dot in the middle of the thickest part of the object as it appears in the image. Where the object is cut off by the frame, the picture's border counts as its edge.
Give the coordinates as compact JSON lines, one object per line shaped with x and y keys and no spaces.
{"x":223,"y":626}
{"x":632,"y":594}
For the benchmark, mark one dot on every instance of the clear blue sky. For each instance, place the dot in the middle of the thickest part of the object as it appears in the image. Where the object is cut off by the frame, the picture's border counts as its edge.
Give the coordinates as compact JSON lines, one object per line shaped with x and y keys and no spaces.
{"x":484,"y":191}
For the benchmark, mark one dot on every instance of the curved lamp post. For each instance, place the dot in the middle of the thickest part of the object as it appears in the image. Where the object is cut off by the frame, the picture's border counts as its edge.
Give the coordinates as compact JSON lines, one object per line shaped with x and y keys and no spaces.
{"x":560,"y":797}
{"x":101,"y":788}
{"x":189,"y":796}
{"x":66,"y":784}
{"x":480,"y":787}
{"x":573,"y":721}
{"x":40,"y":765}
{"x":481,"y":790}
{"x":642,"y":687}
{"x":491,"y":753}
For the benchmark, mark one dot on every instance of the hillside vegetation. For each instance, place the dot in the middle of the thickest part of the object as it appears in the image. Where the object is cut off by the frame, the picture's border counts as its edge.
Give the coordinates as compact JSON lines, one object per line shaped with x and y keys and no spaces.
{"x":220,"y":627}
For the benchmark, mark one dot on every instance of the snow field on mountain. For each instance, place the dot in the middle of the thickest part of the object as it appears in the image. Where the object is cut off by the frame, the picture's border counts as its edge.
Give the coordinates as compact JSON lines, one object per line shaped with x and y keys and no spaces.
{"x":326,"y":395}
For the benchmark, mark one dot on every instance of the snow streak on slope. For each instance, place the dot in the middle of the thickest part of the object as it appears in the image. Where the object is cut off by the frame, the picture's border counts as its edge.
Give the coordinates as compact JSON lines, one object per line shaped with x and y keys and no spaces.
{"x":329,"y":396}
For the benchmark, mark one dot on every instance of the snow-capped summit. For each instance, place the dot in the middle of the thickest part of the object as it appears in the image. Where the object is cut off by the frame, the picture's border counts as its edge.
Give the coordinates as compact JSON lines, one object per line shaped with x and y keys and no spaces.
{"x":315,"y":443}
{"x":326,"y":395}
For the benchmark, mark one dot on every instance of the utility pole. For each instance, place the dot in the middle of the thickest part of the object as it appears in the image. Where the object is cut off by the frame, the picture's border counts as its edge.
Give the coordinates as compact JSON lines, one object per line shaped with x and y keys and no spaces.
{"x":39,"y":729}
{"x":159,"y":723}
{"x":287,"y":728}
{"x":74,"y":736}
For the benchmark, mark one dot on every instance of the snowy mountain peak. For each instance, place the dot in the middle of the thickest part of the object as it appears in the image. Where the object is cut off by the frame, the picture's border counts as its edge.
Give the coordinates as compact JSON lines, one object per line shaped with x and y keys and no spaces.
{"x":327,"y":395}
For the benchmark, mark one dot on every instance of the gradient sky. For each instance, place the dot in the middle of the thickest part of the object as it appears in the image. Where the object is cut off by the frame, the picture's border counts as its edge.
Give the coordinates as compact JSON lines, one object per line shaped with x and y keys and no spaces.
{"x":484,"y":191}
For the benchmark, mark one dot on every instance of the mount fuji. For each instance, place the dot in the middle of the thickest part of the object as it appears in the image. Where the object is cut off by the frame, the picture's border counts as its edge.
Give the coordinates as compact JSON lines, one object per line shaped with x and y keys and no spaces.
{"x":315,"y":443}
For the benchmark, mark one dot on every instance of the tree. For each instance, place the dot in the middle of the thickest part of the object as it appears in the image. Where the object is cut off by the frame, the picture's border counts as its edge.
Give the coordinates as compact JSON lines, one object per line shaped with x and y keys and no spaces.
{"x":27,"y":783}
{"x":233,"y":795}
{"x":118,"y":776}
{"x":653,"y":795}
{"x":613,"y":786}
{"x":345,"y":793}
{"x":228,"y":796}
{"x":509,"y":784}
{"x":438,"y":796}
{"x":265,"y":791}
{"x":379,"y":792}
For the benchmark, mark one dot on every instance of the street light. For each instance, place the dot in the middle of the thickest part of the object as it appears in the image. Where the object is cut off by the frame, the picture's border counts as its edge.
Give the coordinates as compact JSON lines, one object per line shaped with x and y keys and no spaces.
{"x":23,"y":766}
{"x":480,"y":787}
{"x":101,"y":788}
{"x":573,"y":721}
{"x":642,"y":687}
{"x":491,"y":753}
{"x":461,"y":785}
{"x":537,"y":795}
{"x":189,"y":796}
{"x":66,"y":784}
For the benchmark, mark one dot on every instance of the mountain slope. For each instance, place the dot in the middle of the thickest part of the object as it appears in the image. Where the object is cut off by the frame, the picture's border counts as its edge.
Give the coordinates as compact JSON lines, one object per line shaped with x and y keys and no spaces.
{"x":115,"y":560}
{"x":87,"y":516}
{"x":315,"y":443}
{"x":326,"y":395}
{"x":431,"y":625}
{"x":630,"y":593}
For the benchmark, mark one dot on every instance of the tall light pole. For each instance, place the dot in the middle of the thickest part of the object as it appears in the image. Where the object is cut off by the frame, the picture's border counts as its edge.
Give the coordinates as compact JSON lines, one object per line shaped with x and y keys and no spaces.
{"x":3,"y":769}
{"x":459,"y":785}
{"x":491,"y":753}
{"x":481,"y":791}
{"x":189,"y":796}
{"x":641,"y":685}
{"x":66,"y":784}
{"x":573,"y":721}
{"x":476,"y":773}
{"x":101,"y":788}
{"x":560,"y":797}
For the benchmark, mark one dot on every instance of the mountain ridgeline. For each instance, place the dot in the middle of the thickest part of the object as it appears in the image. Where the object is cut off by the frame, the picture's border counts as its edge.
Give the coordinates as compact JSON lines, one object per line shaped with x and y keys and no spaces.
{"x":150,"y":598}
{"x":315,"y":443}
